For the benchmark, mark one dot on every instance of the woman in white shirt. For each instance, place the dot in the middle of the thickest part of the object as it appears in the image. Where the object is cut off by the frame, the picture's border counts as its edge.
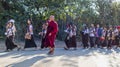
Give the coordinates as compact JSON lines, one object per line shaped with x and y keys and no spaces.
{"x":9,"y":37}
{"x":29,"y":40}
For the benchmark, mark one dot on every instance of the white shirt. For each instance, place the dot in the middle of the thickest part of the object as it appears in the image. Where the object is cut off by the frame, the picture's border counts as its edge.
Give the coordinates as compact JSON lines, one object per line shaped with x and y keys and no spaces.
{"x":14,"y":29}
{"x":74,"y":31}
{"x":31,"y":28}
{"x":86,"y":31}
{"x":91,"y":31}
{"x":9,"y":32}
{"x":116,"y":32}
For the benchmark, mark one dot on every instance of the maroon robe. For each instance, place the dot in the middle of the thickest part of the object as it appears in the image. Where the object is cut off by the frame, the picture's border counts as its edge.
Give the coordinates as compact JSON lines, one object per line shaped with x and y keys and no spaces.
{"x":53,"y":29}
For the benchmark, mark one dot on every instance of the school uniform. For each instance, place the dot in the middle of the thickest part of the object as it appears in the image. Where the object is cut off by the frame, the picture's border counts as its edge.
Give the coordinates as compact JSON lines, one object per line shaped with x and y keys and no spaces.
{"x":92,"y":37}
{"x":104,"y":38}
{"x":110,"y":39}
{"x":85,"y":38}
{"x":98,"y":34}
{"x":70,"y":39}
{"x":29,"y":43}
{"x":43,"y":39}
{"x":116,"y":33}
{"x":9,"y":40}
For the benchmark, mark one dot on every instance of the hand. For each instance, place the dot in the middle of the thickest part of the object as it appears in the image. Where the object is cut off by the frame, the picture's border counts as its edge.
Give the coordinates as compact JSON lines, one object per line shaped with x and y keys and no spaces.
{"x":5,"y":33}
{"x":39,"y":33}
{"x":49,"y":34}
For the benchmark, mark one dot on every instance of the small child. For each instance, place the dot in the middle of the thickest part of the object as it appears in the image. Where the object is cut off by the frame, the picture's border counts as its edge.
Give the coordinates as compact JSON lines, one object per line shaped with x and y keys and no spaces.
{"x":43,"y":34}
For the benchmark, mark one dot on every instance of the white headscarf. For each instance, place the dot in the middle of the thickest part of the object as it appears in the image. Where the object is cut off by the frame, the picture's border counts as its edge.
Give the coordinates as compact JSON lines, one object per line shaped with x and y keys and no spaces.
{"x":12,"y":20}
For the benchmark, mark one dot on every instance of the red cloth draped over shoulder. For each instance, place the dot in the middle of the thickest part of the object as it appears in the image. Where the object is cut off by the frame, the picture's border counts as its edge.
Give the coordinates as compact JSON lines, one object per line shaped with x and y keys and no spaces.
{"x":53,"y":29}
{"x":118,"y":27}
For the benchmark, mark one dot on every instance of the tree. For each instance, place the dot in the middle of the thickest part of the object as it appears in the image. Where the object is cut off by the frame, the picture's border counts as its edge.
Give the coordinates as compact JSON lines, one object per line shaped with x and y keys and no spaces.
{"x":65,"y":11}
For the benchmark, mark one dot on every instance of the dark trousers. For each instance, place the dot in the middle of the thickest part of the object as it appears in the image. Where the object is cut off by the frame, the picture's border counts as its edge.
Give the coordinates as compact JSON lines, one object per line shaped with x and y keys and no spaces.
{"x":110,"y":42}
{"x":97,"y":42}
{"x":92,"y":42}
{"x":117,"y":40}
{"x":104,"y":43}
{"x":85,"y":41}
{"x":43,"y":43}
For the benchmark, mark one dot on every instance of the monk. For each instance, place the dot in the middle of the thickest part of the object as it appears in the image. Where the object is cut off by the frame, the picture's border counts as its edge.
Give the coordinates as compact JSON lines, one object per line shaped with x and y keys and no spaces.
{"x":51,"y":34}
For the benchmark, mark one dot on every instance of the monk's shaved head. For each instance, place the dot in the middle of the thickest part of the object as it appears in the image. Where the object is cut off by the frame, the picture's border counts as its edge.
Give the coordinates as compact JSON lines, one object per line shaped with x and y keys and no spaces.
{"x":52,"y":17}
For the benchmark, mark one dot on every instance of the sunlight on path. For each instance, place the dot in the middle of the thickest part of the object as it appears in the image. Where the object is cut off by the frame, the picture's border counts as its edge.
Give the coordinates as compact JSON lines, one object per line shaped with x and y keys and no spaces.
{"x":61,"y":58}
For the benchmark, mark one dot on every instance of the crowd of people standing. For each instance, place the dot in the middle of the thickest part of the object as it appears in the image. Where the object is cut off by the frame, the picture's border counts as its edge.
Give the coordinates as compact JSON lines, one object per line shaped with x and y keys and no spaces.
{"x":100,"y":37}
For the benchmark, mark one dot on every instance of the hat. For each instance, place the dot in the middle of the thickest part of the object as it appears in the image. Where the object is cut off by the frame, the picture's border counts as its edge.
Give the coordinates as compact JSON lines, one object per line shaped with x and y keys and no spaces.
{"x":12,"y":20}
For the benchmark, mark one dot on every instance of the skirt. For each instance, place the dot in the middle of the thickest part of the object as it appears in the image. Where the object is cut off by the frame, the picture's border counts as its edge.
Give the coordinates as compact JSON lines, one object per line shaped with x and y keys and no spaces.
{"x":29,"y":43}
{"x":43,"y":43}
{"x":9,"y":43}
{"x":70,"y":42}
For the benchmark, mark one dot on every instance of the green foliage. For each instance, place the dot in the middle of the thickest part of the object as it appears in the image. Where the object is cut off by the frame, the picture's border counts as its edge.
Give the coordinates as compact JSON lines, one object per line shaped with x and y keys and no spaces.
{"x":65,"y":11}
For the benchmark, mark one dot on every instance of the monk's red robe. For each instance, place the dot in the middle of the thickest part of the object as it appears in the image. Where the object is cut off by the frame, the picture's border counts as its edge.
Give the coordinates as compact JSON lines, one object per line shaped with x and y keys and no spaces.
{"x":53,"y":29}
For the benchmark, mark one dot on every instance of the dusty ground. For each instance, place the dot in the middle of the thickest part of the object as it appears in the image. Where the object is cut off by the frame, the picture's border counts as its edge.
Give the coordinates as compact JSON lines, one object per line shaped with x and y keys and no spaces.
{"x":61,"y":58}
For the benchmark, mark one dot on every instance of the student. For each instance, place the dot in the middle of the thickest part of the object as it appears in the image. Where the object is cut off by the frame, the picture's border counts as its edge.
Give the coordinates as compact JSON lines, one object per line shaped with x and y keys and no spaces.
{"x":9,"y":37}
{"x":14,"y":27}
{"x":85,"y":37}
{"x":43,"y":34}
{"x":29,"y":39}
{"x":98,"y":34}
{"x":104,"y":38}
{"x":74,"y":30}
{"x":110,"y":37}
{"x":67,"y":39}
{"x":116,"y":33}
{"x":70,"y":39}
{"x":92,"y":36}
{"x":118,"y":45}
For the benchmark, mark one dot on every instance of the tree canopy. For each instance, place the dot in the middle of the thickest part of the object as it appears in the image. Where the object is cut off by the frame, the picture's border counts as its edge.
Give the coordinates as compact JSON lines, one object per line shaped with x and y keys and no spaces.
{"x":103,"y":12}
